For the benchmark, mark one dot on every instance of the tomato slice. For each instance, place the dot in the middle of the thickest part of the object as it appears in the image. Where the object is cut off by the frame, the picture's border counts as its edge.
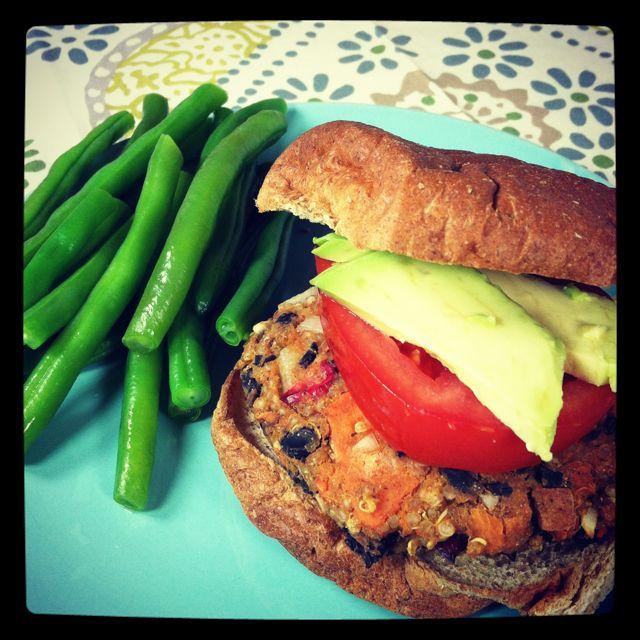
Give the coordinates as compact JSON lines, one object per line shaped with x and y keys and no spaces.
{"x":422,"y":409}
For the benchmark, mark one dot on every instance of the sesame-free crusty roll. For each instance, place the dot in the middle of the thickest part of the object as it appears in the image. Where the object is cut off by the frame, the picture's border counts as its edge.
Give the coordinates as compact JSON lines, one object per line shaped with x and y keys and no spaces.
{"x":452,"y":207}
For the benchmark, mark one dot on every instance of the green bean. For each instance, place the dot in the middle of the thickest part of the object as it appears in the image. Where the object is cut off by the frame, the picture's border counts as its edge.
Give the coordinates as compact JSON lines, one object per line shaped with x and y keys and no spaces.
{"x":57,"y":308}
{"x":213,"y":272}
{"x":113,"y":342}
{"x":235,"y":119}
{"x":276,"y":274}
{"x":107,"y":156}
{"x":171,"y":410}
{"x":103,"y":227}
{"x":174,"y":271}
{"x":244,"y":255}
{"x":30,"y":358}
{"x":184,"y":182}
{"x":221,"y":114}
{"x":73,"y":240}
{"x":182,"y":186}
{"x":54,"y":375}
{"x":154,"y":110}
{"x":109,"y":346}
{"x":122,"y":174}
{"x":70,"y":169}
{"x":138,"y":429}
{"x":262,"y":276}
{"x":189,"y":380}
{"x":182,"y":415}
{"x":192,"y":145}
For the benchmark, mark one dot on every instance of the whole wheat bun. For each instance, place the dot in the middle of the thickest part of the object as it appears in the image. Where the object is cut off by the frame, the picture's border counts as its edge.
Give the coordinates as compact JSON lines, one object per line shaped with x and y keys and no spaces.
{"x":452,"y":207}
{"x":554,"y":583}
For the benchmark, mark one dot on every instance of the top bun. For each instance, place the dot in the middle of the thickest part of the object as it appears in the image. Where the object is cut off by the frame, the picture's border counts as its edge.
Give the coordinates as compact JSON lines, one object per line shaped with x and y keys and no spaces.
{"x":452,"y":207}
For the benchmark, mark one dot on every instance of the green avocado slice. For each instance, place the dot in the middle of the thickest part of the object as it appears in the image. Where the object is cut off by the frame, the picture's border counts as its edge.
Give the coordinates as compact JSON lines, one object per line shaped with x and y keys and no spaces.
{"x":585,"y":322}
{"x":336,"y":248}
{"x":513,"y":364}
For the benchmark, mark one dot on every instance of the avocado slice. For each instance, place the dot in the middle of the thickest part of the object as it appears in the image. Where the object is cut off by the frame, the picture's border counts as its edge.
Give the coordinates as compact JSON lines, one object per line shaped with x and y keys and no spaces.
{"x":583,"y":321}
{"x":513,"y":364}
{"x":325,"y":238}
{"x":336,"y":248}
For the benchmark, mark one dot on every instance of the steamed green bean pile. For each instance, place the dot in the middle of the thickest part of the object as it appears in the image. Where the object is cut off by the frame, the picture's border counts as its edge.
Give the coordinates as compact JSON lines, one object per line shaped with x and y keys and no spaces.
{"x":54,"y":375}
{"x":187,"y":241}
{"x":119,"y":176}
{"x":142,"y":246}
{"x":68,"y":170}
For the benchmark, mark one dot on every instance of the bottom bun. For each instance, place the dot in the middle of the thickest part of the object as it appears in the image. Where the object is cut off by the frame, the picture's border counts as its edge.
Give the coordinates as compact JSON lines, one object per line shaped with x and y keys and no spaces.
{"x":557,"y":581}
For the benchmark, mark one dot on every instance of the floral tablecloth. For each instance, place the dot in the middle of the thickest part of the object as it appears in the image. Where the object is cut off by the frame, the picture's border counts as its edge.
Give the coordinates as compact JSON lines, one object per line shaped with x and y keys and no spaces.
{"x":550,"y":84}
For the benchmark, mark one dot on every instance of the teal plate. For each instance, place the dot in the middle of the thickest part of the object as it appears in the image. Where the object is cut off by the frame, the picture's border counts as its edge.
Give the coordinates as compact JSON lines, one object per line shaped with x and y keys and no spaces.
{"x":194,"y":554}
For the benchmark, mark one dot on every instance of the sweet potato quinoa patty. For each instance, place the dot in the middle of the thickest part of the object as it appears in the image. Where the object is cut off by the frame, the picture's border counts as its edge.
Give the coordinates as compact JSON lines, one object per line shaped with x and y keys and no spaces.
{"x":383,"y":499}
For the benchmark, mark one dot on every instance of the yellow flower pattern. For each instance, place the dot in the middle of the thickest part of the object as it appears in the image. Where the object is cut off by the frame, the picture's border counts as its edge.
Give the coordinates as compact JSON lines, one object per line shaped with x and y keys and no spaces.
{"x":176,"y":61}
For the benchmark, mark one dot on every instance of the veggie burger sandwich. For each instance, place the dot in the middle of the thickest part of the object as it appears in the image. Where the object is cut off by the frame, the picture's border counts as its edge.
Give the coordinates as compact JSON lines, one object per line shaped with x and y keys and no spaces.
{"x":432,"y":424}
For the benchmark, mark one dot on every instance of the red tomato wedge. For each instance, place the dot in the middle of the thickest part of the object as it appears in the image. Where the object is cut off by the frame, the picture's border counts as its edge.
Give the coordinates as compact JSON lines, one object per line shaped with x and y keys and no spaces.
{"x":422,"y":409}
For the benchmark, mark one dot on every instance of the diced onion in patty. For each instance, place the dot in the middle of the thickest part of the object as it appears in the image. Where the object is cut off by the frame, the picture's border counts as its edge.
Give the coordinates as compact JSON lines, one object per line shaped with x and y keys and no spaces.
{"x":287,"y":363}
{"x":312,"y":323}
{"x":366,"y":445}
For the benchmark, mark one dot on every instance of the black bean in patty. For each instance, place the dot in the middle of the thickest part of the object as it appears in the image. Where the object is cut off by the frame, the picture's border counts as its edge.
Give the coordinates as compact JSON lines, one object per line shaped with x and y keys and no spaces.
{"x":252,"y":388}
{"x":374,"y":551}
{"x":286,"y":318}
{"x":499,"y":488}
{"x":261,"y":360}
{"x":548,"y":477}
{"x":464,"y":481}
{"x":299,"y":444}
{"x":308,"y":358}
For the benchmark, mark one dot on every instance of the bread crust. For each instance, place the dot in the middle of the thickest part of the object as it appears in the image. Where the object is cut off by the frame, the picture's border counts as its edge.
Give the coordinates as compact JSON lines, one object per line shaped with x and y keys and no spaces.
{"x":576,"y":585}
{"x":280,"y":509}
{"x":397,"y":582}
{"x":452,"y":207}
